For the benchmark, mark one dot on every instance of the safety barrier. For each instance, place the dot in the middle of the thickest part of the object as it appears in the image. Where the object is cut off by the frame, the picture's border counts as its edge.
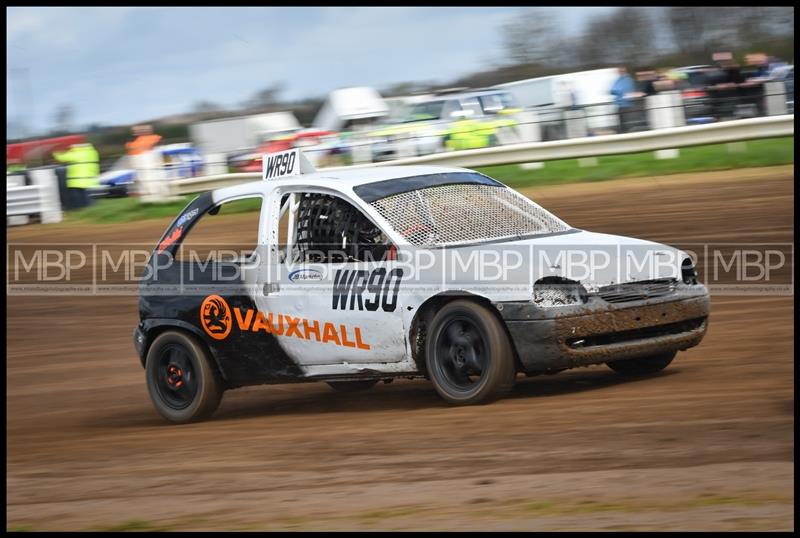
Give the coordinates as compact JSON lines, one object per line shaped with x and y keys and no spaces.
{"x":24,"y":200}
{"x":41,"y":198}
{"x":658,"y":139}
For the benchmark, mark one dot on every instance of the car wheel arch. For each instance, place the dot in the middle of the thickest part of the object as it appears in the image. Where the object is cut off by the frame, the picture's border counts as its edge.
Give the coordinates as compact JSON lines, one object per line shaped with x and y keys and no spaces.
{"x":153,"y":328}
{"x":428,"y":309}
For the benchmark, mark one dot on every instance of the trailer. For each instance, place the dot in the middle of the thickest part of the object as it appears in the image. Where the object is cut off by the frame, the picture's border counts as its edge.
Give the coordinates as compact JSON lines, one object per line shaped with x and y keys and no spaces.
{"x":347,"y":109}
{"x":230,"y":135}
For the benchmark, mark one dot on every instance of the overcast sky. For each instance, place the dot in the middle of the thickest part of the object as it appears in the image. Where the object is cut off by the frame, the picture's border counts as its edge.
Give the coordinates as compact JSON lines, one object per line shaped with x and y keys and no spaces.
{"x":121,"y":65}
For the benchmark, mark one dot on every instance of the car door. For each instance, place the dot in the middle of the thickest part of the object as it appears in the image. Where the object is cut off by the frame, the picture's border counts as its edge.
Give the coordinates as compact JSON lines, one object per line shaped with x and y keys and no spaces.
{"x":332,"y":290}
{"x":202,"y":279}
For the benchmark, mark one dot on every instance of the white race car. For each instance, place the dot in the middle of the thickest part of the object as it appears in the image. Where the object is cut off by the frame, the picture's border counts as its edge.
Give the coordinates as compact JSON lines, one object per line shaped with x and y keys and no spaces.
{"x":369,"y":274}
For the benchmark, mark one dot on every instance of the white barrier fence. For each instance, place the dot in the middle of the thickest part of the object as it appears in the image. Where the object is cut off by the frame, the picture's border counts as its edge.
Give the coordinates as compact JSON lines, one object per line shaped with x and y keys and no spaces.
{"x":41,"y":198}
{"x":575,"y":148}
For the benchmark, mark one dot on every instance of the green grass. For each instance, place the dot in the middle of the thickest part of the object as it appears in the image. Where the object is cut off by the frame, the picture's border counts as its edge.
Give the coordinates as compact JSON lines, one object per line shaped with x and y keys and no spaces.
{"x":768,"y":152}
{"x":129,"y":209}
{"x":125,"y":210}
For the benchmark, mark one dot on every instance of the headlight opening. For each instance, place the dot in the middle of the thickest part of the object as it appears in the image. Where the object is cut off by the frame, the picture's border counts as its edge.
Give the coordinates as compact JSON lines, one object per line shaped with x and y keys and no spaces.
{"x":556,"y":291}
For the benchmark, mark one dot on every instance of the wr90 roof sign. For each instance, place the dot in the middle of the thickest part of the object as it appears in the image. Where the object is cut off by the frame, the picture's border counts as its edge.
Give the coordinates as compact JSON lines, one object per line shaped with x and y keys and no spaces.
{"x":285,"y":164}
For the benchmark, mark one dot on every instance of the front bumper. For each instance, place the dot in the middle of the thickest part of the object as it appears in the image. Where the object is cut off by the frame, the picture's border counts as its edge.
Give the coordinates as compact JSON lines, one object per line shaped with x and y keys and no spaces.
{"x":557,"y":338}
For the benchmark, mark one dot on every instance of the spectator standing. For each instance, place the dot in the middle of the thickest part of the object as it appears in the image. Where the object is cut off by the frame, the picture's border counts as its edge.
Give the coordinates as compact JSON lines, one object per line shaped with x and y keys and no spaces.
{"x":732,"y":72}
{"x":148,"y":167}
{"x":752,"y":89}
{"x":621,"y":89}
{"x":757,"y":66}
{"x":145,"y":140}
{"x":646,"y":80}
{"x":663,"y":82}
{"x":83,"y":171}
{"x":726,"y":92}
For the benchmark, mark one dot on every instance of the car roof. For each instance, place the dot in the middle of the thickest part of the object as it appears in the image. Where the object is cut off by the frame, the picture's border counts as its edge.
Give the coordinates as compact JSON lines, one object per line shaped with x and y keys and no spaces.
{"x":342,"y":179}
{"x":461,"y":95}
{"x":478,"y":93}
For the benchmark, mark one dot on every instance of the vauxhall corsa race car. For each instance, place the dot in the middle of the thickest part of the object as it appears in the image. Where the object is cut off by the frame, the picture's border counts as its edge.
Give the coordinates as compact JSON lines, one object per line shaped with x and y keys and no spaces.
{"x":369,"y":274}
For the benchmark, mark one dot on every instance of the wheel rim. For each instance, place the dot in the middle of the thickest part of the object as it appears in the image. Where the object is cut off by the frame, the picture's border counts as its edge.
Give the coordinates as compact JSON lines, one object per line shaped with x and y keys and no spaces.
{"x":461,"y":357}
{"x":176,"y":380}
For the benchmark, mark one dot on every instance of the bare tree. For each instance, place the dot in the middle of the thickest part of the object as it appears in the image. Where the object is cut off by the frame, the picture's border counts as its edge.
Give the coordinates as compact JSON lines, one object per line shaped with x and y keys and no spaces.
{"x":267,"y":97}
{"x":63,"y":117}
{"x":204,"y":107}
{"x":626,"y":36}
{"x":779,"y":20}
{"x":697,"y":32}
{"x":406,"y":88}
{"x":529,"y":38}
{"x":636,"y":28}
{"x":749,"y":24}
{"x":761,"y":25}
{"x":703,"y":30}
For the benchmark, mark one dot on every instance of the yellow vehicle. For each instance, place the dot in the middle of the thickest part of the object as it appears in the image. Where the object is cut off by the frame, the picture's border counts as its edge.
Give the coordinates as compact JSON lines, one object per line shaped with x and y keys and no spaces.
{"x":457,"y":121}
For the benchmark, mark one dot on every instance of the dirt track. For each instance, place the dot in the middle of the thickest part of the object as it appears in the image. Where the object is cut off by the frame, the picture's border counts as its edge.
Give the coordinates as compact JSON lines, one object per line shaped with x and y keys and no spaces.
{"x":707,"y":444}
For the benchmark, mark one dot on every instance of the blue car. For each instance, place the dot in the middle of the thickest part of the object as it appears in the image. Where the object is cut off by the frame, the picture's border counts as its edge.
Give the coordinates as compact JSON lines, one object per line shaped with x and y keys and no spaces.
{"x":180,"y":161}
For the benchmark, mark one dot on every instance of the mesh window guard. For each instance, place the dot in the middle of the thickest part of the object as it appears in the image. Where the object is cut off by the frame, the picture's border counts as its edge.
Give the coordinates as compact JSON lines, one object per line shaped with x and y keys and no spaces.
{"x":464,"y":213}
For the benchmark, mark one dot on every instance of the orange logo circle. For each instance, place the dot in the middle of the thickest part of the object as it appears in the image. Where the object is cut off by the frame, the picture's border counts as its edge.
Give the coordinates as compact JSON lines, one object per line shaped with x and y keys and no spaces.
{"x":215,"y":316}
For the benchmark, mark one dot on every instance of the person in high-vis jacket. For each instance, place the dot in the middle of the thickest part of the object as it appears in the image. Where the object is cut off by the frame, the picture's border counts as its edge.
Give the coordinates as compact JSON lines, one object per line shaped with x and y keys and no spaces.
{"x":83,"y":171}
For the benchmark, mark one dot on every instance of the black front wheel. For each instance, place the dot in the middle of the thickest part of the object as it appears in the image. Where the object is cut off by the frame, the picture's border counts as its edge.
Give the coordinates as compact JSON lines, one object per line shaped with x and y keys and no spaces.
{"x":183,"y":382}
{"x":468,"y":354}
{"x":643,"y":365}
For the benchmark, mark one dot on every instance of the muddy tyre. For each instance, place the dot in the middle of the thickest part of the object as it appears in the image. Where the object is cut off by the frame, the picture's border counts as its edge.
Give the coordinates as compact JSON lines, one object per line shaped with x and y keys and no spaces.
{"x":643,"y":365}
{"x":182,"y":380}
{"x":352,"y":386}
{"x":468,"y":355}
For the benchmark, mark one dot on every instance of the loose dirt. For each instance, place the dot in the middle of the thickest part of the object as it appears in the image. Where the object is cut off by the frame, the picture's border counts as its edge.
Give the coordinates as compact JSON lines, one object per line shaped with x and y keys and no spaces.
{"x":707,"y":444}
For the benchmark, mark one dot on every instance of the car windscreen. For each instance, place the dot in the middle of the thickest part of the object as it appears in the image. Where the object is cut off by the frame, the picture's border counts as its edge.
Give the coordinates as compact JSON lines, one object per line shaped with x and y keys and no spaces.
{"x":457,"y":208}
{"x":431,"y":110}
{"x":495,"y":102}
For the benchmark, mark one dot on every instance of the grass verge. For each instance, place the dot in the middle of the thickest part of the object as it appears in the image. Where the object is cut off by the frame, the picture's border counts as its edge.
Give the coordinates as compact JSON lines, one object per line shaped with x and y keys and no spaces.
{"x":767,"y":152}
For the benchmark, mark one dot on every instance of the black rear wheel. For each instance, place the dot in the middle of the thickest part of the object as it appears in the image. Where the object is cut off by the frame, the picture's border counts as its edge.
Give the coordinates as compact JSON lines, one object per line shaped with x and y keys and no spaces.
{"x":643,"y":365}
{"x":183,"y":383}
{"x":468,"y":355}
